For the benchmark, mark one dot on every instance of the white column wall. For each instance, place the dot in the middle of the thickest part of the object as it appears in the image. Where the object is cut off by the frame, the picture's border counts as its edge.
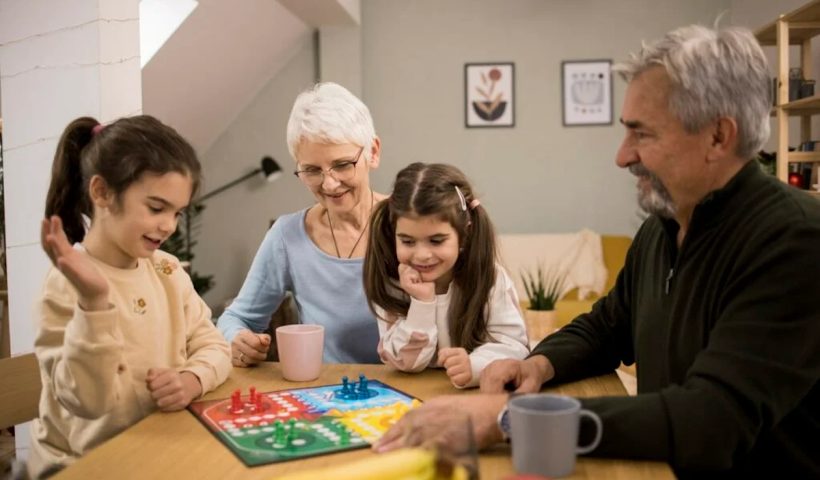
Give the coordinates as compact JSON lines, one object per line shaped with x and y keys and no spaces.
{"x":58,"y":61}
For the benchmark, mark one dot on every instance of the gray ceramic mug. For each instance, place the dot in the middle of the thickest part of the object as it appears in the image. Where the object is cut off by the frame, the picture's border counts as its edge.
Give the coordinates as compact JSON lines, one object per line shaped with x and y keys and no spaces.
{"x":544,"y":433}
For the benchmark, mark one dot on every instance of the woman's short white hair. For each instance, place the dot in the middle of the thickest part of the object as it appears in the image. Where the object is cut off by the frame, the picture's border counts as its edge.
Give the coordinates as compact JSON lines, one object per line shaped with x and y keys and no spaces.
{"x":714,"y":73}
{"x":329,"y":113}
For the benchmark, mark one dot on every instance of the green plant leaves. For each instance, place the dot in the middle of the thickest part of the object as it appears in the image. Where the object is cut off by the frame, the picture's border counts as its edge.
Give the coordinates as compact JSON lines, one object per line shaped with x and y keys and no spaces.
{"x":544,"y":288}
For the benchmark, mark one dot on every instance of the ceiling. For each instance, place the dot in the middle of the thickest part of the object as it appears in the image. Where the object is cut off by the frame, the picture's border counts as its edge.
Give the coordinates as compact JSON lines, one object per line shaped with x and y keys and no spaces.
{"x":216,"y":62}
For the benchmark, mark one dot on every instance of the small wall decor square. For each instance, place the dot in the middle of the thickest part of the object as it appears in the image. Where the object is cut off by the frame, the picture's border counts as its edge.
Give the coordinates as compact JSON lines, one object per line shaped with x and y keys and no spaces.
{"x":489,"y":90}
{"x":587,"y":92}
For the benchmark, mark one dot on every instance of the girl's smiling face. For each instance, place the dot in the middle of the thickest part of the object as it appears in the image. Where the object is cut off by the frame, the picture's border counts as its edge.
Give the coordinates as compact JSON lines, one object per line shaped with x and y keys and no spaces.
{"x":144,"y":216}
{"x":430,"y":246}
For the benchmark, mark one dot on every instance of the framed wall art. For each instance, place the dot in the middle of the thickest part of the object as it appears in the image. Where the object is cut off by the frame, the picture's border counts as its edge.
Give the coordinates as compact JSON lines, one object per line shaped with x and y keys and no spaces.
{"x":489,"y":95}
{"x":587,"y":92}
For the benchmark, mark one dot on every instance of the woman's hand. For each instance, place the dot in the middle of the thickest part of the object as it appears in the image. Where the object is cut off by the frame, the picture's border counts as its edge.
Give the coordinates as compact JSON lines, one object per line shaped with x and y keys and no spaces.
{"x":92,"y":288}
{"x":172,"y":390}
{"x":457,"y":363}
{"x":248,"y":348}
{"x":412,"y":283}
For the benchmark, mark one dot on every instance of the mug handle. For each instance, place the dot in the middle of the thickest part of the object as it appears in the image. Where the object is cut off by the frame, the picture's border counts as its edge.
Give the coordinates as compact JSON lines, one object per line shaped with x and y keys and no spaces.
{"x":599,"y":430}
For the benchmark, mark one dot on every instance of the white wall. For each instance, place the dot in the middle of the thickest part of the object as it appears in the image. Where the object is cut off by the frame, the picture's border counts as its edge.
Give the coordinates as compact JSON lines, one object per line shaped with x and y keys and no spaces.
{"x":536,"y":177}
{"x":57,"y":62}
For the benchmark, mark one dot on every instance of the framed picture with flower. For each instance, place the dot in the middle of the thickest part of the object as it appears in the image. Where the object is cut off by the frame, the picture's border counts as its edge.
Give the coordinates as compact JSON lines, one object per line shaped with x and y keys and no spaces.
{"x":587,"y":92}
{"x":489,"y":95}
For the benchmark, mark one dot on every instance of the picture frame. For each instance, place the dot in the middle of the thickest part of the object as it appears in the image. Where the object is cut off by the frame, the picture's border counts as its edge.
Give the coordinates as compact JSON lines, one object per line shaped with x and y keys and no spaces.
{"x":586,"y":92}
{"x":489,"y":95}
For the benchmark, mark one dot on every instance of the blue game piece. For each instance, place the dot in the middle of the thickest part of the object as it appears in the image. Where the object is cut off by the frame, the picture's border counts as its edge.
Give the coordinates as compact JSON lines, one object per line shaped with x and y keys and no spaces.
{"x":345,"y":388}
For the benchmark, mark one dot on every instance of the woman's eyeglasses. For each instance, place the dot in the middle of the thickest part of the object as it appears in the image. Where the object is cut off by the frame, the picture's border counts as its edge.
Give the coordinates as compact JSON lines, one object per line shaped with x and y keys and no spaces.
{"x":341,"y":171}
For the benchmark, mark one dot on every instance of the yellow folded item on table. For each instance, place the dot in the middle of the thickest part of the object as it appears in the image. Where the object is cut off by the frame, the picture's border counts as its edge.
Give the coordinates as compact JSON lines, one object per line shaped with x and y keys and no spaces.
{"x":404,"y":464}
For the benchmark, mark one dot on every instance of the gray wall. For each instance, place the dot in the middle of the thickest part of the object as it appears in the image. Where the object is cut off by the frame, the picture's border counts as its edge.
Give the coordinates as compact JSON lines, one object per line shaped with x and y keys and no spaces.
{"x":235,"y":221}
{"x":536,"y":177}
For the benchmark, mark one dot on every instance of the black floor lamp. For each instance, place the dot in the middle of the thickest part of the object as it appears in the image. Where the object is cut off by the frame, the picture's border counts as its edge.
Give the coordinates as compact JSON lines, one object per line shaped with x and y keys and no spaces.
{"x":268,"y":167}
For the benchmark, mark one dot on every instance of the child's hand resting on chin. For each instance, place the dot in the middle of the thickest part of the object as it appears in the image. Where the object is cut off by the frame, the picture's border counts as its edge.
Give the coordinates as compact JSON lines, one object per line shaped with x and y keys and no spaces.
{"x":412,"y":283}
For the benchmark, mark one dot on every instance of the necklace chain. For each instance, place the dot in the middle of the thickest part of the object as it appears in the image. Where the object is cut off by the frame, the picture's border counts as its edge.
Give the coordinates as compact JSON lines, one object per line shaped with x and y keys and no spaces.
{"x":332,"y":234}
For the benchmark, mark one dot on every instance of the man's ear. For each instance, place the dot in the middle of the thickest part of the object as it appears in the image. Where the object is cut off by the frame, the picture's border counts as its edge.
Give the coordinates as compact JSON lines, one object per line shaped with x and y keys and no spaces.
{"x":101,"y":195}
{"x":723,"y":138}
{"x":375,"y":152}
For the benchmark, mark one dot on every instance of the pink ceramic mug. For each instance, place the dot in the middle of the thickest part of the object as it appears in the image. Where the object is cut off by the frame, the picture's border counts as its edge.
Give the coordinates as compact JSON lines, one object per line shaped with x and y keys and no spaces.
{"x":300,"y":351}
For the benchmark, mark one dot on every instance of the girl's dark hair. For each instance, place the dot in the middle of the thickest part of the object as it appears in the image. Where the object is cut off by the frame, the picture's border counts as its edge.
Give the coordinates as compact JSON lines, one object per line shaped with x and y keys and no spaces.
{"x":120,"y":153}
{"x":424,"y":190}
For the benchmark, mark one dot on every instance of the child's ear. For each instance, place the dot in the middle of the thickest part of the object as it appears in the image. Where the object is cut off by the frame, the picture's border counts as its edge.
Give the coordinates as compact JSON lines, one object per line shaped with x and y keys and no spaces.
{"x":101,"y":195}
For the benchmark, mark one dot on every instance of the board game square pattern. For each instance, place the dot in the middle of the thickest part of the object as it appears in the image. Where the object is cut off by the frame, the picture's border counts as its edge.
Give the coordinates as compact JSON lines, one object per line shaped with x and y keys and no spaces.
{"x":282,"y":425}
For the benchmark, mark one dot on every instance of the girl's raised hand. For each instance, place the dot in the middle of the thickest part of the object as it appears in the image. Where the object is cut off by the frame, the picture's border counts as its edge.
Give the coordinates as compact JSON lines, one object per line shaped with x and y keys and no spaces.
{"x":91,"y":286}
{"x":412,"y":283}
{"x":457,"y":363}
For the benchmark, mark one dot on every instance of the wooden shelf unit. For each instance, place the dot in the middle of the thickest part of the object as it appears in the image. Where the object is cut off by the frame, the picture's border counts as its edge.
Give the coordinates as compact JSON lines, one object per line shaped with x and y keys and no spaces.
{"x":794,"y":28}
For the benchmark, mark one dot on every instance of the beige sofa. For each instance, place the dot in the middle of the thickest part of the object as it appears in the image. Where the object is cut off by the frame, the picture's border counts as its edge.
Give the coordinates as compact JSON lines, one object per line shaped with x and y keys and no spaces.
{"x":613,"y":249}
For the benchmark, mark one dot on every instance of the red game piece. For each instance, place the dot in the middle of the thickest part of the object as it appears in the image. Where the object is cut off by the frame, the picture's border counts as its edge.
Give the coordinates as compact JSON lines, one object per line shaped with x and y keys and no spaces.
{"x":252,"y":398}
{"x":236,"y":402}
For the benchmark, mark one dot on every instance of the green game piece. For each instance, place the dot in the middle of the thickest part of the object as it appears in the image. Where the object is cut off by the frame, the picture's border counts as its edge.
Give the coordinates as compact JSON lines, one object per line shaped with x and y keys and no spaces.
{"x":291,"y":432}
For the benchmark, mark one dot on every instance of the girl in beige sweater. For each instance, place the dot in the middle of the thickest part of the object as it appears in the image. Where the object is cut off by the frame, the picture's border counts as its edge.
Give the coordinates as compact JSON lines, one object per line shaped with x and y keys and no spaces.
{"x":122,"y":332}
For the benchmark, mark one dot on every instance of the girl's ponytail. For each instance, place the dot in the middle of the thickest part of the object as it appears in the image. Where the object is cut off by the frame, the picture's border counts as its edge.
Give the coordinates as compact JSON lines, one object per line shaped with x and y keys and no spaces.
{"x":380,"y":263}
{"x":66,"y":193}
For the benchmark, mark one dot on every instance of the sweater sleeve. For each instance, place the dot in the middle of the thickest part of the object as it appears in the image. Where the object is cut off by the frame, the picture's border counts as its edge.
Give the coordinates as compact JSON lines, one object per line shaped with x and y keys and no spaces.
{"x":408,"y":343}
{"x":596,"y":342}
{"x":209,"y":355}
{"x":761,"y":361}
{"x":505,"y":324}
{"x":265,"y":286}
{"x":79,"y":352}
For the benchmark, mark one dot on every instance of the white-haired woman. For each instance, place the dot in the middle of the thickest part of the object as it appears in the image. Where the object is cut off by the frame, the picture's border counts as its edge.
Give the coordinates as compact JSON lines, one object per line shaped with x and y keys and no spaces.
{"x":317,"y":253}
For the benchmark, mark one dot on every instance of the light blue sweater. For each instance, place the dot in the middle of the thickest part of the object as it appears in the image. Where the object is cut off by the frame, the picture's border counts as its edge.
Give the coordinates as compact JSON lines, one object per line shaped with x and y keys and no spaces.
{"x":328,"y":292}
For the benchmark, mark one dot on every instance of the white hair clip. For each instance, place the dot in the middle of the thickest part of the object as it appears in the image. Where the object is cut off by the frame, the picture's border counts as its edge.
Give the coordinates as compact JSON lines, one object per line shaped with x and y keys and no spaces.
{"x":461,"y":199}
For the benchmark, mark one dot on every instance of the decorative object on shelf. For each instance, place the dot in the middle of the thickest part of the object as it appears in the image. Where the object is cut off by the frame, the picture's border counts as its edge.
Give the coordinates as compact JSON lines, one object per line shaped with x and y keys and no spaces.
{"x":489,"y":95}
{"x":182,"y":241}
{"x":807,"y":88}
{"x":796,"y":179}
{"x":587,"y":92}
{"x":544,"y":289}
{"x":795,"y":96}
{"x":795,"y":79}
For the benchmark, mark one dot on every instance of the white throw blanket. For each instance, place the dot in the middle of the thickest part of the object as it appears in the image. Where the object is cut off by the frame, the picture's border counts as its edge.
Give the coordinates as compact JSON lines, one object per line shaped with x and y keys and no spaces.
{"x":579,"y":255}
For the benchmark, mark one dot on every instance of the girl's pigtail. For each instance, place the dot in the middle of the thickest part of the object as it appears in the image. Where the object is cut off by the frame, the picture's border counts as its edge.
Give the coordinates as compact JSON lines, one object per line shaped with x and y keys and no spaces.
{"x":476,"y":277}
{"x":380,"y":263}
{"x":66,"y":197}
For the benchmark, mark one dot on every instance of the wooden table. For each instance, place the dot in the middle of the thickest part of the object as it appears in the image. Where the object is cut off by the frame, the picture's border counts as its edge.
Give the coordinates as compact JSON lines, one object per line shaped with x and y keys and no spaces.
{"x":178,"y":446}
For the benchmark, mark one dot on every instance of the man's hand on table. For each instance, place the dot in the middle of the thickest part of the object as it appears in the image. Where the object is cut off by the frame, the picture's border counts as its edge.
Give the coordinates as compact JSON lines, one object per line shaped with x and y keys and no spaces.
{"x":524,"y":376}
{"x":439,"y":421}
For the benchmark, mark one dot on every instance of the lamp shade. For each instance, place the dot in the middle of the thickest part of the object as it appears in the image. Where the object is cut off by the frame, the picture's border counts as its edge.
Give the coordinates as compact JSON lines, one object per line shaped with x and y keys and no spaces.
{"x":271,"y":169}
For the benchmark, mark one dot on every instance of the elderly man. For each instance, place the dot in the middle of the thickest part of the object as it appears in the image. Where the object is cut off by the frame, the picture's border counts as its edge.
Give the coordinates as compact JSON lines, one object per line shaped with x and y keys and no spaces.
{"x":718,"y":298}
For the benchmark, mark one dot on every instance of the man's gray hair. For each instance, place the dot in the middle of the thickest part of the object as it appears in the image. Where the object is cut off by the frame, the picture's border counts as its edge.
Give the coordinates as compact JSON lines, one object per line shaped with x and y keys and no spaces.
{"x":714,"y":73}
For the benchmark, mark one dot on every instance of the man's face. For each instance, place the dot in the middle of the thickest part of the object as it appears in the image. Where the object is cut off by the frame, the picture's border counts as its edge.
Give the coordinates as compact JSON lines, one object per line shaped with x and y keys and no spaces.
{"x":668,"y":161}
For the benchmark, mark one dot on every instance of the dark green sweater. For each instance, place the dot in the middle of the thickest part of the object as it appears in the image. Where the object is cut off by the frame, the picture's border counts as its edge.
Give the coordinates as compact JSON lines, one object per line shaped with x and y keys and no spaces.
{"x":725,"y":332}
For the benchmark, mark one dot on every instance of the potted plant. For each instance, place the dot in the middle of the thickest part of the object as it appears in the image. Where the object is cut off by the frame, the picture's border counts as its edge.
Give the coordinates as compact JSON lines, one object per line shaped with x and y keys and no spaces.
{"x":544,"y":289}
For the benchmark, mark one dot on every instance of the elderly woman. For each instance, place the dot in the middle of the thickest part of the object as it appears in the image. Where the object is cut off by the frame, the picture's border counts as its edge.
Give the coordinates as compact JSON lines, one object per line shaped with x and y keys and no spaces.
{"x":317,"y":253}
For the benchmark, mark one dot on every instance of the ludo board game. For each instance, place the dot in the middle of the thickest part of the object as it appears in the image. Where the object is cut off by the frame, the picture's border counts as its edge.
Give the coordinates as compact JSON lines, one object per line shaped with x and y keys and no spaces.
{"x":269,"y":427}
